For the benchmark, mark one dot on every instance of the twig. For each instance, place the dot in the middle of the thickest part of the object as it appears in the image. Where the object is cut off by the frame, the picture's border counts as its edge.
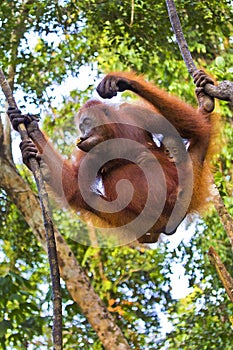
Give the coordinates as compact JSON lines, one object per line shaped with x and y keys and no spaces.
{"x":225,"y":217}
{"x":132,"y":13}
{"x":48,"y":224}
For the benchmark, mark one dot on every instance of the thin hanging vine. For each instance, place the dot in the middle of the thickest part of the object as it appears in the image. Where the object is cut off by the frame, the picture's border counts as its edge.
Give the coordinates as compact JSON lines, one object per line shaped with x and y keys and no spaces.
{"x":48,"y":224}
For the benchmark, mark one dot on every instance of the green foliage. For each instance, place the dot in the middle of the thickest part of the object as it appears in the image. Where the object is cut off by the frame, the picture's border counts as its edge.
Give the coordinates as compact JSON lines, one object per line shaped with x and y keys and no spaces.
{"x":204,"y":318}
{"x":22,"y":271}
{"x":47,"y":41}
{"x":20,"y":313}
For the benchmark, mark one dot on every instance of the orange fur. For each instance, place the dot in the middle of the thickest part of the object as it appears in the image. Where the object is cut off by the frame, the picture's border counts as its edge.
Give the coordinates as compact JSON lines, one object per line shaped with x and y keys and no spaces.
{"x":108,"y":123}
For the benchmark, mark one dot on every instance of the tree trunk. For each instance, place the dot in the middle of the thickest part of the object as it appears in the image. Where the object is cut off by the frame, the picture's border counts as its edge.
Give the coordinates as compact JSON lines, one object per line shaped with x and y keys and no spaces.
{"x":76,"y":280}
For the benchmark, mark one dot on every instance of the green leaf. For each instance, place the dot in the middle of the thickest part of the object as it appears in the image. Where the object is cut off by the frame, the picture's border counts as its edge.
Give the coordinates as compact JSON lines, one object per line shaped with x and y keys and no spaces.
{"x":4,"y":326}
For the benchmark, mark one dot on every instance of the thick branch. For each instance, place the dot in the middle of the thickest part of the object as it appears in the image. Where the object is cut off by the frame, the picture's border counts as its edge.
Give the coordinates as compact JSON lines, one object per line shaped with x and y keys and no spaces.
{"x":224,"y":90}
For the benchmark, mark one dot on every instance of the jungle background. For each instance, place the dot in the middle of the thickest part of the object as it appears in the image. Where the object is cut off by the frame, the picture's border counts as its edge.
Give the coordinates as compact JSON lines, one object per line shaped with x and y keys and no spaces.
{"x":167,"y":296}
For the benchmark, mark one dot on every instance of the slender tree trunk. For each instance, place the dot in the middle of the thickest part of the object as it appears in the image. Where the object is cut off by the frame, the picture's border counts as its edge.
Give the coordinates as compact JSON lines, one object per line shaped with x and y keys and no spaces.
{"x":77,"y":282}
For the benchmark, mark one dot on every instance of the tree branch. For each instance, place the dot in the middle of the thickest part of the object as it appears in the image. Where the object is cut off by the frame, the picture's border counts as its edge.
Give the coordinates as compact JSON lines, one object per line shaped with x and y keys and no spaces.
{"x":176,"y":25}
{"x":48,"y":224}
{"x":225,"y":217}
{"x":224,"y":275}
{"x":223,"y":91}
{"x":206,"y":102}
{"x":15,"y":37}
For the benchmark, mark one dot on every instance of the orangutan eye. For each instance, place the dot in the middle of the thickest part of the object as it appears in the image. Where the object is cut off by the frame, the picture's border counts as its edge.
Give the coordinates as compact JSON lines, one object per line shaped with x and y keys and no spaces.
{"x":87,"y":122}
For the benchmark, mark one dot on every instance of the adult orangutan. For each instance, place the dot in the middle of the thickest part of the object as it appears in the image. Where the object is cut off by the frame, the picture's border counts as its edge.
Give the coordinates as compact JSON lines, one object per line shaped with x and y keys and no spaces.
{"x":139,"y":168}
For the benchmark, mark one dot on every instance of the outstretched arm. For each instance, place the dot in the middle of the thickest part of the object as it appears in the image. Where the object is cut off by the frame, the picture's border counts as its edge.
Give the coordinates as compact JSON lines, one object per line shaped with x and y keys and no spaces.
{"x":188,"y":122}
